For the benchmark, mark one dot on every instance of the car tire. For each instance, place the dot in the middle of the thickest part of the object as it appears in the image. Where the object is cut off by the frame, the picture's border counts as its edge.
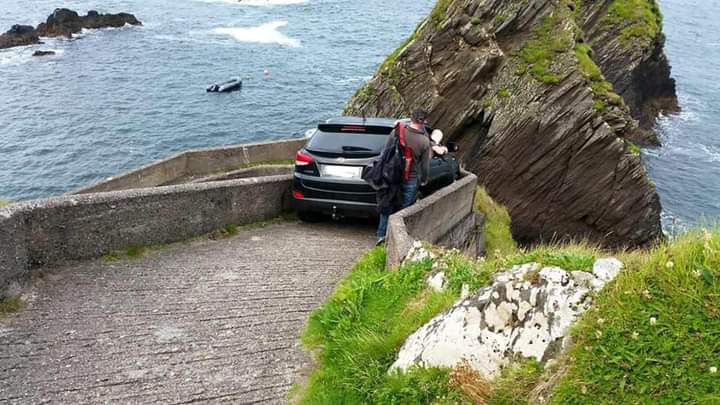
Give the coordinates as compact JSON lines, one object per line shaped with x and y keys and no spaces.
{"x":310,"y":216}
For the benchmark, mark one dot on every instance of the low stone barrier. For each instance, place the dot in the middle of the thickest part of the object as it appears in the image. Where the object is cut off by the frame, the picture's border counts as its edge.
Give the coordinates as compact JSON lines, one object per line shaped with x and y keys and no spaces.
{"x":52,"y":231}
{"x":193,"y":164}
{"x":446,"y":218}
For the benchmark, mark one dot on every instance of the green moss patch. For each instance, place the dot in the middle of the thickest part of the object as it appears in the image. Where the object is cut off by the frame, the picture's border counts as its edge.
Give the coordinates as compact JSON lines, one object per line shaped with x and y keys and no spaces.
{"x":10,"y":306}
{"x":438,"y":15}
{"x":498,"y":237}
{"x":537,"y":55}
{"x":601,"y":88}
{"x":639,"y":21}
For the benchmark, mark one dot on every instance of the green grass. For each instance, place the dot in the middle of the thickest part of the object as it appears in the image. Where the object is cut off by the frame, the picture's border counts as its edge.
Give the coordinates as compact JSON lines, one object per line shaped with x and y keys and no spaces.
{"x":498,"y":237}
{"x":503,"y":93}
{"x":632,"y":148}
{"x":438,"y":15}
{"x":622,"y":356}
{"x":653,"y":334}
{"x":639,"y":21}
{"x":570,"y":256}
{"x":515,"y":383}
{"x":537,"y":55}
{"x":601,"y":88}
{"x":10,"y":306}
{"x":356,"y":334}
{"x":4,"y":202}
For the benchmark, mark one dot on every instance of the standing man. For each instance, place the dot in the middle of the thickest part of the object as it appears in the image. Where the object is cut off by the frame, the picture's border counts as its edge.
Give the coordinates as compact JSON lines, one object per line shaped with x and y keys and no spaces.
{"x":416,"y":145}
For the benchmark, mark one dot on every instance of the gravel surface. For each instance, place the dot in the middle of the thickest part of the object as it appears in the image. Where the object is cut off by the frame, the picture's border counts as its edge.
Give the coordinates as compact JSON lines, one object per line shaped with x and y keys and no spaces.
{"x":206,"y":322}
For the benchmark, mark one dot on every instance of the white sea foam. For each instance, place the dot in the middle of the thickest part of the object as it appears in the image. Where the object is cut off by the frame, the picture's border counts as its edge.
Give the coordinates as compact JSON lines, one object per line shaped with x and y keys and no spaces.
{"x":258,"y":2}
{"x":264,"y":34}
{"x":15,"y":56}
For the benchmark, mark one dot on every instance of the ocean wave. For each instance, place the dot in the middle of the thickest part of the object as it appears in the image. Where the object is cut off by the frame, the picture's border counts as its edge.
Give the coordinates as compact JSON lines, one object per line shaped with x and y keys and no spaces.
{"x":263,"y":34}
{"x":23,"y":54}
{"x":262,"y":3}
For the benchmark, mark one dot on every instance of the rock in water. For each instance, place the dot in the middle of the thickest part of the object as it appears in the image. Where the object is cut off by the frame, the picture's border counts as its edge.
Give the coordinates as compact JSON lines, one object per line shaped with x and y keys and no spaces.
{"x":96,"y":20}
{"x":64,"y":22}
{"x":527,"y":311}
{"x":43,"y":53}
{"x":19,"y":35}
{"x":516,"y":85}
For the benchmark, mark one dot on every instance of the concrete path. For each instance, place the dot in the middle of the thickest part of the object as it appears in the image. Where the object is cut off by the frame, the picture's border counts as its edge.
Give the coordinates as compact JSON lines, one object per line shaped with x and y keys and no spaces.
{"x":206,"y":322}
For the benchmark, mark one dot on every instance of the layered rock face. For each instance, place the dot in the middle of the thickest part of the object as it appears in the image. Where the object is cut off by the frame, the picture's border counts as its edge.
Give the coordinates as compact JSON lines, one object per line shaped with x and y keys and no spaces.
{"x":526,"y":312}
{"x":63,"y":23}
{"x":516,"y":84}
{"x":628,"y":46}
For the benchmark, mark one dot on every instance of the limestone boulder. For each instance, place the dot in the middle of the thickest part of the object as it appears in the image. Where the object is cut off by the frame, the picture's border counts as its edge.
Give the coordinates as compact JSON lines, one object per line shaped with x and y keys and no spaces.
{"x":526,"y":312}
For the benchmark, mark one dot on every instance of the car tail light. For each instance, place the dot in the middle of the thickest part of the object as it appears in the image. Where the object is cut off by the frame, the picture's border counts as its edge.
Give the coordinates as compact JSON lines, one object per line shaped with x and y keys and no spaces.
{"x":298,"y":195}
{"x":303,"y":159}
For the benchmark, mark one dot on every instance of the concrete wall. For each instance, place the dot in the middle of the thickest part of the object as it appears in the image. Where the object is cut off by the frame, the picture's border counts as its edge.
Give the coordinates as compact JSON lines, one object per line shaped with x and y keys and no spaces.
{"x":193,"y":164}
{"x":257,"y":171}
{"x":446,"y":218}
{"x":52,"y":231}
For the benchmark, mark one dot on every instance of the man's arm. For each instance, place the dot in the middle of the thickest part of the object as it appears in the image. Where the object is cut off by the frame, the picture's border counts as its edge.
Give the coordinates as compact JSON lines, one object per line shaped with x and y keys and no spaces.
{"x":424,"y":166}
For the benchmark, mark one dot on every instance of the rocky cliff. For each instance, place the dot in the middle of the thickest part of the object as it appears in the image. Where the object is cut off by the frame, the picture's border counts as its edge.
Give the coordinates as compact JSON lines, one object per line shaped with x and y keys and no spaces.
{"x":63,"y":23}
{"x":529,"y":88}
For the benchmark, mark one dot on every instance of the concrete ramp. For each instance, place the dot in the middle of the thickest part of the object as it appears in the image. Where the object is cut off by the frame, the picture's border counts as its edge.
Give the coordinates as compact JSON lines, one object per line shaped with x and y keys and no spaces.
{"x":207,"y":322}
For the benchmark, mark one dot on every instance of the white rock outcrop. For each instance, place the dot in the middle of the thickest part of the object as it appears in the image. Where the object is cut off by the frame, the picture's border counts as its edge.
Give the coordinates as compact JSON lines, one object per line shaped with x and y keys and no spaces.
{"x":527,"y":311}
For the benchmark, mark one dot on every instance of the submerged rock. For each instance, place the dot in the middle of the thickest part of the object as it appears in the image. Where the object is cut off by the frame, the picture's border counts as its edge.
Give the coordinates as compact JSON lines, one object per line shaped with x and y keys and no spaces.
{"x":43,"y":53}
{"x":516,"y":84}
{"x":526,"y":312}
{"x":63,"y":23}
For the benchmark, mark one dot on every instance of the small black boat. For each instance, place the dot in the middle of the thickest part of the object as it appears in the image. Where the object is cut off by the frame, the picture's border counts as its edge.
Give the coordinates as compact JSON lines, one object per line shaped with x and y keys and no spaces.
{"x":225,"y":87}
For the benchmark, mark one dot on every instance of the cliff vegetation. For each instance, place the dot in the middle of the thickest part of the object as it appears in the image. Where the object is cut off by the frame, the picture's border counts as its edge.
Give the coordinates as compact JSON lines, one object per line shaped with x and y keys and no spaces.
{"x":653,"y":334}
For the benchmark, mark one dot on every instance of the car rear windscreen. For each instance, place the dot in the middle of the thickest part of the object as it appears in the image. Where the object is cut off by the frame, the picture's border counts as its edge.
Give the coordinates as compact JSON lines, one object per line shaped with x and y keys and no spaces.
{"x":349,"y":140}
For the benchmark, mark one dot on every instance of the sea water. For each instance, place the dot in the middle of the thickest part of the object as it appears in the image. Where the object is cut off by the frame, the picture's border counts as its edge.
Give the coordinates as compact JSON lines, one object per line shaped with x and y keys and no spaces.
{"x":116,"y":99}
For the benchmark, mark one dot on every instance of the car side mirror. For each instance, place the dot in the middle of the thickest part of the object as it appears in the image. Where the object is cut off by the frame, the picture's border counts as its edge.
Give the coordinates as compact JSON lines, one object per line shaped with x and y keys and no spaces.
{"x":453,"y":147}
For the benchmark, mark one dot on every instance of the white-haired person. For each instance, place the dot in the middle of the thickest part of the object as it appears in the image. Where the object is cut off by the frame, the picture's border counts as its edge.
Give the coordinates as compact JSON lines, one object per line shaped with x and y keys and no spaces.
{"x":435,"y":138}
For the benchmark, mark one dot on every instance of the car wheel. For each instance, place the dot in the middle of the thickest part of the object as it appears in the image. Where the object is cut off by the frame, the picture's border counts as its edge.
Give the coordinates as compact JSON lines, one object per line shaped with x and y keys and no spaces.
{"x":310,"y":216}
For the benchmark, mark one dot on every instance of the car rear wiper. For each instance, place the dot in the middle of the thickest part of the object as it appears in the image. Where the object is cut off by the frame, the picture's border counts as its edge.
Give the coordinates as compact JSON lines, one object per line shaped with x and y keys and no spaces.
{"x":355,"y":149}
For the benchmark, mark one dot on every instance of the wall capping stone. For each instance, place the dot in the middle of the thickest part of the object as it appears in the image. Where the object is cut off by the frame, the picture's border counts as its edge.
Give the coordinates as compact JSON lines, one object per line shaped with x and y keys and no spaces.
{"x":446,"y":218}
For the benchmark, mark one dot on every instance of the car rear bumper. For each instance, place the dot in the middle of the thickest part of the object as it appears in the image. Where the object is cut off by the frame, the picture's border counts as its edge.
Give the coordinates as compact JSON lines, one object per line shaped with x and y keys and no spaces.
{"x":331,"y":196}
{"x":336,"y":207}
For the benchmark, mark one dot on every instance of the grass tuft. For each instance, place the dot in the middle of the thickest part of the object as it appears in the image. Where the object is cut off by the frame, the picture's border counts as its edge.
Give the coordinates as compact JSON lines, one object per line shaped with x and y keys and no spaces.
{"x":537,"y":55}
{"x":11,"y":305}
{"x":515,"y":382}
{"x":498,"y":237}
{"x":632,"y":148}
{"x":578,"y":256}
{"x":438,"y":15}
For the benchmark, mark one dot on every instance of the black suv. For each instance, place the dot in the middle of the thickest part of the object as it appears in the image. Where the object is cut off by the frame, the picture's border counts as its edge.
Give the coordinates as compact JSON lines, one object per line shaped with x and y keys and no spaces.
{"x":328,"y":168}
